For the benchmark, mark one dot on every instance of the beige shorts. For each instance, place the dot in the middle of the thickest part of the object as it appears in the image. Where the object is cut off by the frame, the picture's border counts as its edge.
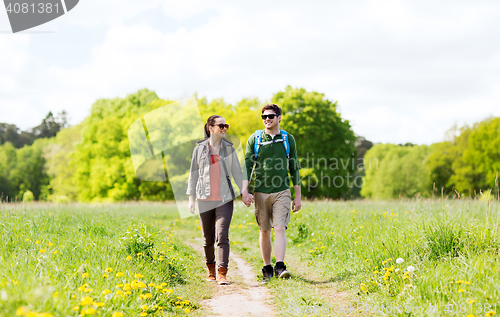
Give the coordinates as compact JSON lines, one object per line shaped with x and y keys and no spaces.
{"x":272,"y":209}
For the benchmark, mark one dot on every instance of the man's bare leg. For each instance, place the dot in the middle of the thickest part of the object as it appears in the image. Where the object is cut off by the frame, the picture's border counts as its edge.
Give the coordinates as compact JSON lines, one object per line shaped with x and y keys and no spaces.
{"x":279,"y":242}
{"x":265,"y":246}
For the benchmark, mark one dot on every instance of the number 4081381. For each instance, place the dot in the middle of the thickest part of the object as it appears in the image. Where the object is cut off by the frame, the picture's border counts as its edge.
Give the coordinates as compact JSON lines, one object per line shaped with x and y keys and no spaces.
{"x":32,"y":8}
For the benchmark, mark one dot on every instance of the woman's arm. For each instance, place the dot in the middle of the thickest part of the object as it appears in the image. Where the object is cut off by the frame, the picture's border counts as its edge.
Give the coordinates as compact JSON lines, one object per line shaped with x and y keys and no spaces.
{"x":236,"y":169}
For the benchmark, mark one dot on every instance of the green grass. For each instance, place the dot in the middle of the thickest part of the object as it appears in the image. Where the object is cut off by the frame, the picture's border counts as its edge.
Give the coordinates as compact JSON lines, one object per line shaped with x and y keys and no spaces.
{"x":62,"y":260}
{"x":353,"y":246}
{"x":348,"y":247}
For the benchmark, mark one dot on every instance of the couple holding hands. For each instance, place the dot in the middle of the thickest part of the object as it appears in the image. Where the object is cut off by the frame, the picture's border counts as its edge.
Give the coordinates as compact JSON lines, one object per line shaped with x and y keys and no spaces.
{"x":270,"y":154}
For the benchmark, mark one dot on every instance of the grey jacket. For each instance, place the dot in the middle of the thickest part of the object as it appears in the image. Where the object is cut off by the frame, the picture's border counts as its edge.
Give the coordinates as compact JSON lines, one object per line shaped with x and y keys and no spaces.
{"x":199,"y":174}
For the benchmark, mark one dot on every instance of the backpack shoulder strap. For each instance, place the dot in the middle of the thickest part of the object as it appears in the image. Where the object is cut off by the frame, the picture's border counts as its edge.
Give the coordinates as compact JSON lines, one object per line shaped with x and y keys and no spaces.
{"x":284,"y":136}
{"x":256,"y":146}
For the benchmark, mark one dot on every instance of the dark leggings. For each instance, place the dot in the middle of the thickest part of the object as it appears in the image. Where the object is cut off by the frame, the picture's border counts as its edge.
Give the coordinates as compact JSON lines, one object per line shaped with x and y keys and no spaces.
{"x":215,"y":219}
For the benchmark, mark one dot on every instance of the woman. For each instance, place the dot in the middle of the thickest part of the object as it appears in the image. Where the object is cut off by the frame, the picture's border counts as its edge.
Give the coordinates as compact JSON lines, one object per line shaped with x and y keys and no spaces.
{"x":209,"y":178}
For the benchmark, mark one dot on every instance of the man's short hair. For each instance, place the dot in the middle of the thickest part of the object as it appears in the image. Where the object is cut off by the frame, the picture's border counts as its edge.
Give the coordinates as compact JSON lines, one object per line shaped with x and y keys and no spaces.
{"x":273,"y":107}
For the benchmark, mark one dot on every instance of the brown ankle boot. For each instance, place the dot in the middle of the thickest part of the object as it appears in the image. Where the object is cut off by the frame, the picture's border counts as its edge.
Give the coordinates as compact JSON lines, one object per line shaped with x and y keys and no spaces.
{"x":222,"y":276}
{"x":211,"y":272}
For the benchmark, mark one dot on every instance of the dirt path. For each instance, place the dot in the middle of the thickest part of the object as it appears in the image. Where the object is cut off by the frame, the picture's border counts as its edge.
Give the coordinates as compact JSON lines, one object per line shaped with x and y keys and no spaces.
{"x":243,"y":297}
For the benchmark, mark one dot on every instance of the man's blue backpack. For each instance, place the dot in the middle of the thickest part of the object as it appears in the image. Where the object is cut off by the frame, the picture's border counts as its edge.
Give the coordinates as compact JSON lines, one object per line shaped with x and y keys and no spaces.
{"x":258,"y":143}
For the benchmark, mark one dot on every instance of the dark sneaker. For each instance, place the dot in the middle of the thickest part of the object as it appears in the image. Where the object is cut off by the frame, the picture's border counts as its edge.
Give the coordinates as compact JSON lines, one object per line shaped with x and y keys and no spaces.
{"x":267,"y":273}
{"x":280,"y":271}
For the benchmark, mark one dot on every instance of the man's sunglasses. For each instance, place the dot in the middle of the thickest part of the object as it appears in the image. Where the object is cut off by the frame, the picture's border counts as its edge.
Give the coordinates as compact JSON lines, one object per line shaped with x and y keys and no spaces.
{"x":270,"y":116}
{"x":221,"y":126}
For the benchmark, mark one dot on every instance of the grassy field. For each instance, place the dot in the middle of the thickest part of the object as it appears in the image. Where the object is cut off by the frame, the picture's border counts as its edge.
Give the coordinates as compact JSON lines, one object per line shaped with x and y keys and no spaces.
{"x":66,"y":261}
{"x":384,"y":256}
{"x":106,"y":260}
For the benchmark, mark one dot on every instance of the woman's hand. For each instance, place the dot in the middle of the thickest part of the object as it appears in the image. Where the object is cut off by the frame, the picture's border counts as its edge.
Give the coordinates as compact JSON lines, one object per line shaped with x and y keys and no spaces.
{"x":191,"y":204}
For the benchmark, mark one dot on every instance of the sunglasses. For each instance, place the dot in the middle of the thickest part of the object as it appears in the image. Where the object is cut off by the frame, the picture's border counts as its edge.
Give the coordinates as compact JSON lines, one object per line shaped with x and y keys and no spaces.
{"x":270,"y":116}
{"x":221,"y":126}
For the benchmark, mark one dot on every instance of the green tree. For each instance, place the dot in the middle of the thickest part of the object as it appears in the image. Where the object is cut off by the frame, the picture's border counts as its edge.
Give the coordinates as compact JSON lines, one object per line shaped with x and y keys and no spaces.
{"x":103,"y":166}
{"x":29,"y":172}
{"x":325,"y":142}
{"x":477,"y":167}
{"x":8,"y":161}
{"x":394,"y":171}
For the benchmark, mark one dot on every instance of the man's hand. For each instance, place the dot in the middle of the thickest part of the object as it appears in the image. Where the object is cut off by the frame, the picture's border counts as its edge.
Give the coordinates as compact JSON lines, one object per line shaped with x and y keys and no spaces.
{"x":247,"y":199}
{"x":296,"y":204}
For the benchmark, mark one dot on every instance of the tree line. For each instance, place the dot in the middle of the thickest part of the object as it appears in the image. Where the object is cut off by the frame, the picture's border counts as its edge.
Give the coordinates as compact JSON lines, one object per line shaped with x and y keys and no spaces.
{"x":465,"y":165}
{"x":91,"y":161}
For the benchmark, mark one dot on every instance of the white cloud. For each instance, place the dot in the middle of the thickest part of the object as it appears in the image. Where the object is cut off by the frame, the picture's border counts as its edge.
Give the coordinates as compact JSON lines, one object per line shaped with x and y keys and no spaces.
{"x":402,"y":72}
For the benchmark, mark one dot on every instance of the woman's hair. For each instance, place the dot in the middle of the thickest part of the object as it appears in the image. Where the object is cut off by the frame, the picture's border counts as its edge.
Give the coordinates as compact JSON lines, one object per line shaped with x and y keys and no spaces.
{"x":210,"y":122}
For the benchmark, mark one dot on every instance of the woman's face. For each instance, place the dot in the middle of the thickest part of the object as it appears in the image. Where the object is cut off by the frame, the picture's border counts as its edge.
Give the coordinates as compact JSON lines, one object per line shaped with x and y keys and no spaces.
{"x":216,"y":130}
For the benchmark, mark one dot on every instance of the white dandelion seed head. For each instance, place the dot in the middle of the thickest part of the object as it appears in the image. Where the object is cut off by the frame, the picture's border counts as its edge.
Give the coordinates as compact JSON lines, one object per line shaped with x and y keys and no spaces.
{"x":397,"y":270}
{"x":399,"y":260}
{"x":108,"y":296}
{"x":410,"y":268}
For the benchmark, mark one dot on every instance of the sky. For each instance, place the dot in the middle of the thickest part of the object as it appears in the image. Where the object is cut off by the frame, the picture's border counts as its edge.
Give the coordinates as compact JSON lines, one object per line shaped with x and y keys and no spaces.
{"x":401,"y":71}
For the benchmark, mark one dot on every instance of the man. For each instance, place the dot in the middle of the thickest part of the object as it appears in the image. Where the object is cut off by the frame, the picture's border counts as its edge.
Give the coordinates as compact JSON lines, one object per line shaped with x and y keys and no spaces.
{"x":272,"y":195}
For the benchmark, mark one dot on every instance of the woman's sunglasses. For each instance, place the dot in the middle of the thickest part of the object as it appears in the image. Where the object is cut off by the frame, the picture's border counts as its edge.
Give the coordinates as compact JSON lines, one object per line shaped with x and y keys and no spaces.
{"x":270,"y":116}
{"x":221,"y":126}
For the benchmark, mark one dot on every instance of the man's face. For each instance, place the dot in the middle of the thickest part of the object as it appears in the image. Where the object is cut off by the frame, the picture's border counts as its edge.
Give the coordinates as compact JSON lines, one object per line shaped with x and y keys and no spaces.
{"x":271,"y":123}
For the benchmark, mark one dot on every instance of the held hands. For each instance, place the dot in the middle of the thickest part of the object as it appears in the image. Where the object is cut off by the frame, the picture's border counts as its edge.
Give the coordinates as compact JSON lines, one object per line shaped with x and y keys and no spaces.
{"x":247,"y":199}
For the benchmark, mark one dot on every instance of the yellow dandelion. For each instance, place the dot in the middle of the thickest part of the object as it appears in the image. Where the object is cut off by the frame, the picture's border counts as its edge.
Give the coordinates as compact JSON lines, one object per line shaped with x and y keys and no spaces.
{"x":490,"y":313}
{"x":99,"y":304}
{"x":37,"y":241}
{"x":470,"y":315}
{"x":55,"y":252}
{"x":86,"y":301}
{"x":128,"y":259}
{"x":472,"y":301}
{"x":117,"y":314}
{"x":461,"y":290}
{"x":138,"y":275}
{"x":106,"y":291}
{"x":43,"y":250}
{"x":50,"y":244}
{"x":21,"y":311}
{"x":144,"y":307}
{"x":143,"y":314}
{"x":84,"y":275}
{"x":26,"y":240}
{"x":55,"y":294}
{"x":76,"y":308}
{"x":187,"y":310}
{"x":88,"y":311}
{"x":119,"y":274}
{"x":108,"y":270}
{"x":105,"y":275}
